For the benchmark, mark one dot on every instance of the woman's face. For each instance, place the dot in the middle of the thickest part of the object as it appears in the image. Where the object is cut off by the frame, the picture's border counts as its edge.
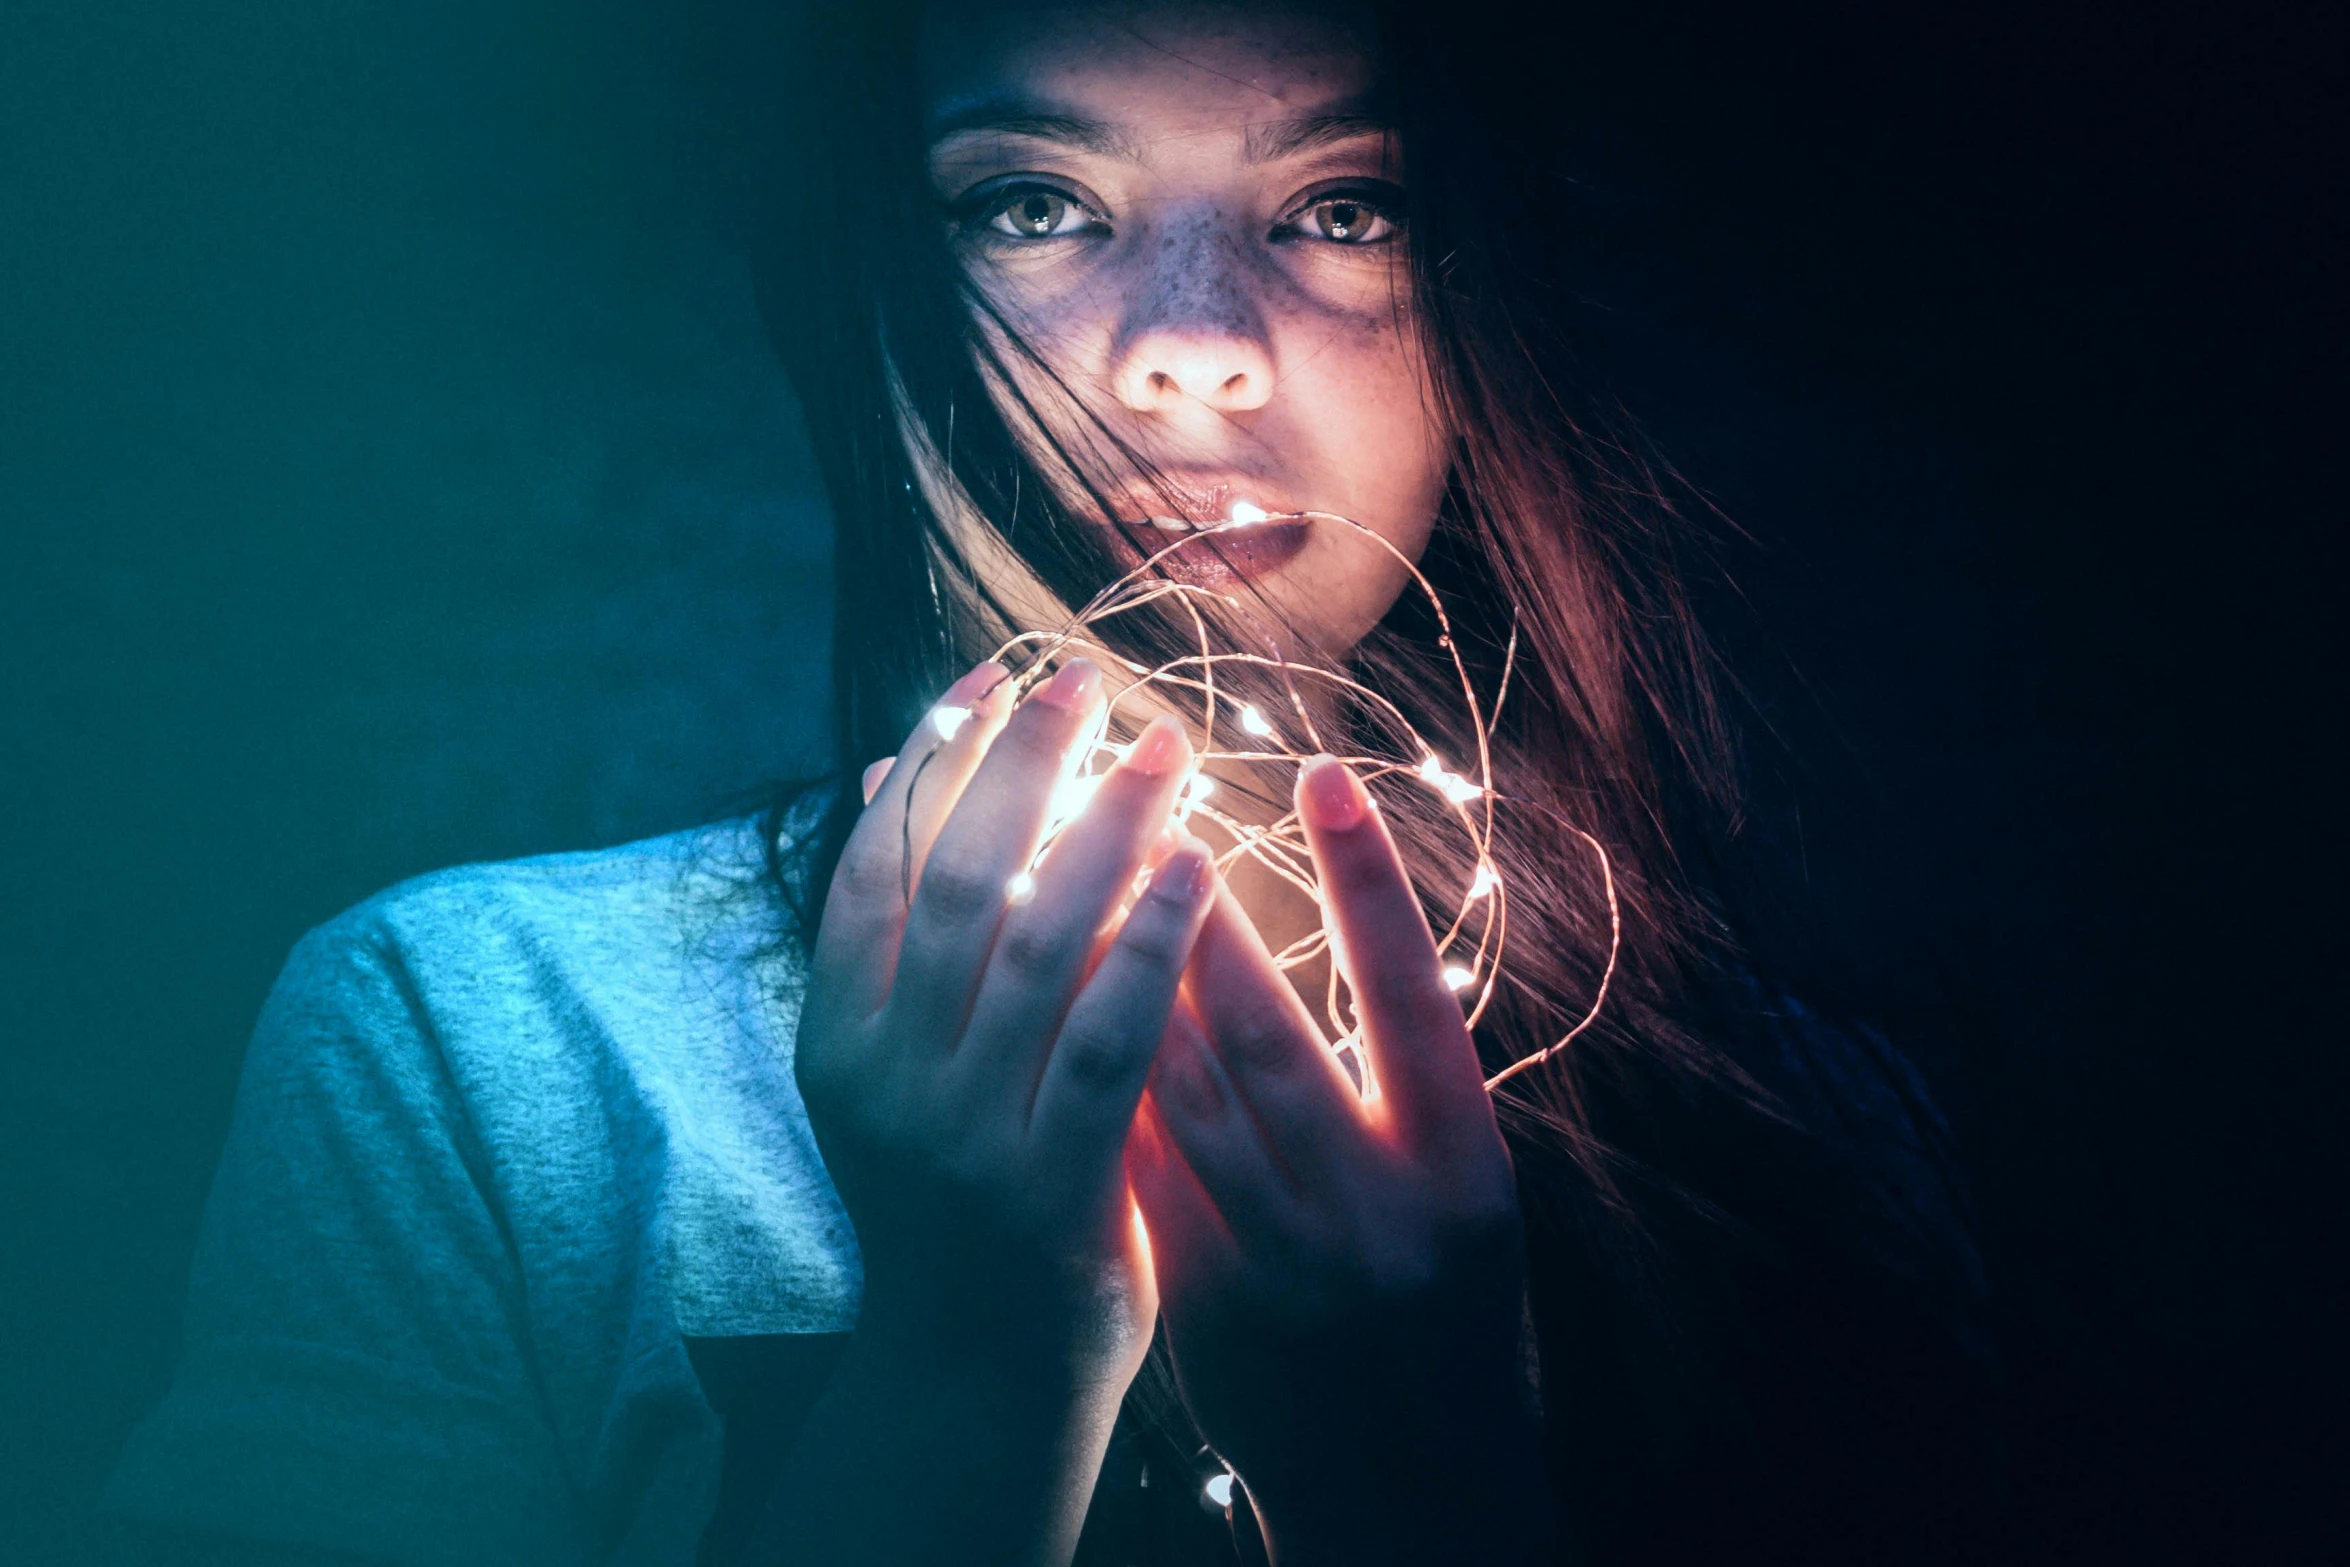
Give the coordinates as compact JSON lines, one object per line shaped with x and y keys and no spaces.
{"x":1189,"y":212}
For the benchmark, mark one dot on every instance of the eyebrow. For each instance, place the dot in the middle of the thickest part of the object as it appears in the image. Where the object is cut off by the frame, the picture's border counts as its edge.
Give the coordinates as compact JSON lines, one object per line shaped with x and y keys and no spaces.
{"x":1269,"y":141}
{"x":1266,"y":141}
{"x":1016,"y":119}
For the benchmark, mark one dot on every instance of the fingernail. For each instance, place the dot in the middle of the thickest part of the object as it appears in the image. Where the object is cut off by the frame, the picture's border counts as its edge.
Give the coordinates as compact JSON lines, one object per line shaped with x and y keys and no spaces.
{"x":1072,"y":687}
{"x":875,"y":774}
{"x":1185,"y":875}
{"x":1160,"y":749}
{"x":1330,"y":795}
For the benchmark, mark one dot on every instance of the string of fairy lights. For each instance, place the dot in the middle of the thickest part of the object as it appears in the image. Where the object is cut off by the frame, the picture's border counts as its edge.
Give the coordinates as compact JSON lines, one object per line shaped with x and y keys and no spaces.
{"x":1473,"y":941}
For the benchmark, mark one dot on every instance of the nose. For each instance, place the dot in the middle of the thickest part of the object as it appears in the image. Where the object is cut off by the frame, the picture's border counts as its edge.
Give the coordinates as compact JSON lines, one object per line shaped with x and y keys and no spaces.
{"x":1193,"y":334}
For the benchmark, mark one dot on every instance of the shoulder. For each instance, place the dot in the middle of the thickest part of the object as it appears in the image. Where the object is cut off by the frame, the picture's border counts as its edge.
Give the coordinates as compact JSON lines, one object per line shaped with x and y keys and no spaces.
{"x":533,"y":1009}
{"x":604,"y":1039}
{"x":615,"y":903}
{"x":644,"y":924}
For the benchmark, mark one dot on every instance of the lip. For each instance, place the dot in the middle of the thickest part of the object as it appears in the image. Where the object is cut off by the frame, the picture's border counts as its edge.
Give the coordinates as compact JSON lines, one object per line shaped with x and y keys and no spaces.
{"x":1153,"y":519}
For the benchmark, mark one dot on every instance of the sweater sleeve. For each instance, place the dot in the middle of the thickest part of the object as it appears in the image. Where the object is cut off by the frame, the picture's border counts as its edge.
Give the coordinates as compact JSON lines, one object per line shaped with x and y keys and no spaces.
{"x":356,"y":1375}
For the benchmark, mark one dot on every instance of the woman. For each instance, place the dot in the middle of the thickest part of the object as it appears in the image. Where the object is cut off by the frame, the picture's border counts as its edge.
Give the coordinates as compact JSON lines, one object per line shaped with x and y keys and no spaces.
{"x":524,"y":1247}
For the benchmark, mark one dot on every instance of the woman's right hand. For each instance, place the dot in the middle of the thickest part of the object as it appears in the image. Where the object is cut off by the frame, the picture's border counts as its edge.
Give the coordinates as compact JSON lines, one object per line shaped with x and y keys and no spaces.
{"x":969,"y":1068}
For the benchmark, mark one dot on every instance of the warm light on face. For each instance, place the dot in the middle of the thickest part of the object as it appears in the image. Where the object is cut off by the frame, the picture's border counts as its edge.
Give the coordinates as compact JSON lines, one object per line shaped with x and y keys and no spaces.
{"x":1132,"y":203}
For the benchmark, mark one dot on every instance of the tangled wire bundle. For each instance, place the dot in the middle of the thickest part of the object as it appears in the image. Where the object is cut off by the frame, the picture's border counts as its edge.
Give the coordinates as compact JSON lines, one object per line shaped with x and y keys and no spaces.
{"x":1472,"y":942}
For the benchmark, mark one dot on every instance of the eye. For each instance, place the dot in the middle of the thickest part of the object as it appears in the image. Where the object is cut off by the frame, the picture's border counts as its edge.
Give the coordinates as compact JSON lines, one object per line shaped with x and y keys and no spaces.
{"x":1033,"y":212}
{"x":1345,"y":217}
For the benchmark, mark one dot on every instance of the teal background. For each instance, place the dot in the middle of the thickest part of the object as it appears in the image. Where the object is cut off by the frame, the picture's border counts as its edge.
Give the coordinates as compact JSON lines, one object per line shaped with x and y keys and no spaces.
{"x":392,"y":474}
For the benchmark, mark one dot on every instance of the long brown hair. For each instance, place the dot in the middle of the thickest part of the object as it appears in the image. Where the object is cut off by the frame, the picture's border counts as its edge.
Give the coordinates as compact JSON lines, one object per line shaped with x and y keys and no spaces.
{"x":1560,"y":529}
{"x":1556,"y":530}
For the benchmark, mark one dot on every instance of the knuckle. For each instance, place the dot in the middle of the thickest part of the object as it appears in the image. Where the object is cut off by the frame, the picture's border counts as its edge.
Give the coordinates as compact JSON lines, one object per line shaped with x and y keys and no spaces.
{"x":1153,"y":942}
{"x":1096,"y":1059}
{"x":1257,"y":1036}
{"x":959,"y":885}
{"x":866,"y":873}
{"x":1031,"y":950}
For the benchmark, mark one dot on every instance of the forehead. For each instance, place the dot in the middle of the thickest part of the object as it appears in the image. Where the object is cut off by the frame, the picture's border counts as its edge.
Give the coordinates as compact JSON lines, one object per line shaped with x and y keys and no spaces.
{"x":1151,"y":70}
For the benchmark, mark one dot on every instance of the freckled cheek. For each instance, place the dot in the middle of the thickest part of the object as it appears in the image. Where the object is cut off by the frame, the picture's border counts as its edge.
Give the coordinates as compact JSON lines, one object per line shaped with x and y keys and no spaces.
{"x":1373,"y":417}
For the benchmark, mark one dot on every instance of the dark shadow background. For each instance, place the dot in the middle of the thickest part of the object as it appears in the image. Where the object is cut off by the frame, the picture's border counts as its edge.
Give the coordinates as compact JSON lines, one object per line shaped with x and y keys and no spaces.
{"x":392,"y":474}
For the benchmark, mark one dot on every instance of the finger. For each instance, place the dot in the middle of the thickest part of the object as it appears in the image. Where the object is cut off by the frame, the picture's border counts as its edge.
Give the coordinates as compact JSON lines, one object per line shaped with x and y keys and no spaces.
{"x":1204,"y":1117}
{"x":1047,"y":942}
{"x":1266,"y":1045}
{"x":1414,"y":1036}
{"x":933,"y":788}
{"x":1098,"y":1063}
{"x":1192,"y":1250}
{"x":874,"y":774}
{"x":865,"y":907}
{"x":961,"y":894}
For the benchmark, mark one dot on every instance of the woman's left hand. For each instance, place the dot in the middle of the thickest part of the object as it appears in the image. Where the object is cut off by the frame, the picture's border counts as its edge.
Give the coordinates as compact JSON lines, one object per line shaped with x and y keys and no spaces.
{"x":1341,"y":1278}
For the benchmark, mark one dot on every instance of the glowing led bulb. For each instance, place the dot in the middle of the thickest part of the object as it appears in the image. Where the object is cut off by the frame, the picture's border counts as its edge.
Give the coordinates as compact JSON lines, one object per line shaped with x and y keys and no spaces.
{"x":949,"y":721}
{"x":1218,"y":1490}
{"x":1197,"y":788}
{"x":1484,"y":882}
{"x":1453,"y":786}
{"x":1019,"y":889}
{"x":1254,"y":721}
{"x":1458,"y":978}
{"x":1244,"y":512}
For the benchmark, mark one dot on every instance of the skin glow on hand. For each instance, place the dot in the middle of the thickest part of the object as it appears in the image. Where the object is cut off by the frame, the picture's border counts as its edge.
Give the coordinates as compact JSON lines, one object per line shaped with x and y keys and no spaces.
{"x":1471,"y":947}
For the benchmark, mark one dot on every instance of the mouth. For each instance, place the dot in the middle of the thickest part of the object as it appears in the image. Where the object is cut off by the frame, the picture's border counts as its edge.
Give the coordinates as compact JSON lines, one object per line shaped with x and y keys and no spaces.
{"x":1214,"y":534}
